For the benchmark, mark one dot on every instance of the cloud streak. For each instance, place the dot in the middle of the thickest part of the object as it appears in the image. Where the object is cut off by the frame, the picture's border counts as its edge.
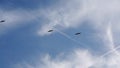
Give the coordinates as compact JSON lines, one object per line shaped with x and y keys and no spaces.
{"x":100,"y":14}
{"x":74,"y":12}
{"x":76,"y":59}
{"x":17,"y":17}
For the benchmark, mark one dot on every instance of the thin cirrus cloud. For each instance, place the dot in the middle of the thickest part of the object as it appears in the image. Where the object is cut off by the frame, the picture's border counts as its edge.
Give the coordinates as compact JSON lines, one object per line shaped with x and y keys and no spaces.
{"x":73,"y":13}
{"x":16,"y":17}
{"x":75,"y":59}
{"x":103,"y":15}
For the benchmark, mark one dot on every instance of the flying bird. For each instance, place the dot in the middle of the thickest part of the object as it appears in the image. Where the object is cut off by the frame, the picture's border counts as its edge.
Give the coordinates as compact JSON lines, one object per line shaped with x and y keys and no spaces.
{"x":50,"y":30}
{"x":78,"y":33}
{"x":2,"y":21}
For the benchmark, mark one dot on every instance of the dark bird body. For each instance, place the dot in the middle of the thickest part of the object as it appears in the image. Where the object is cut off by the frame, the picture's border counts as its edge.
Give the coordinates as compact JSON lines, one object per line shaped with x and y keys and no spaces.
{"x":50,"y":30}
{"x":77,"y":33}
{"x":2,"y":21}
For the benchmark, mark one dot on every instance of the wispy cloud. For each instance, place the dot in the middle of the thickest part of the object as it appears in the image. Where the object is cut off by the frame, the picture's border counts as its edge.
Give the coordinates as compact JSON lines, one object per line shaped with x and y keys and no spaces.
{"x":75,"y":59}
{"x":102,"y":15}
{"x":72,"y":13}
{"x":16,"y":17}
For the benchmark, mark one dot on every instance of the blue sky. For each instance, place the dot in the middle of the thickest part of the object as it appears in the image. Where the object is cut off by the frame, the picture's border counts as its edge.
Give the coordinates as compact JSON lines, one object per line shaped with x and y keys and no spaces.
{"x":26,"y":43}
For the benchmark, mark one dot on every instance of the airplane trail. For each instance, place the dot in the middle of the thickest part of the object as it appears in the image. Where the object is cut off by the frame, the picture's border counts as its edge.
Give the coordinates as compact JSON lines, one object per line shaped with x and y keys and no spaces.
{"x":110,"y":37}
{"x":112,"y":46}
{"x":67,"y":36}
{"x":109,"y":52}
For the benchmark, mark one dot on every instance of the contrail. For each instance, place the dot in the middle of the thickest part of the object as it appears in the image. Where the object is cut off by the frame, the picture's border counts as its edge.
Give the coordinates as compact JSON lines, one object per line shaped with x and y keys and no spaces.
{"x":109,"y":52}
{"x":105,"y":54}
{"x":110,"y":37}
{"x":113,"y":49}
{"x":67,"y":36}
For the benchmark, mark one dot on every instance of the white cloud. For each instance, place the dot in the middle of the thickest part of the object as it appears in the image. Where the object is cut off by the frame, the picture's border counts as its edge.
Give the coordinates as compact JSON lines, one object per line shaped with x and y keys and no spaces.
{"x":15,"y":18}
{"x":101,"y":15}
{"x":72,"y":13}
{"x":75,"y":59}
{"x":68,"y":14}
